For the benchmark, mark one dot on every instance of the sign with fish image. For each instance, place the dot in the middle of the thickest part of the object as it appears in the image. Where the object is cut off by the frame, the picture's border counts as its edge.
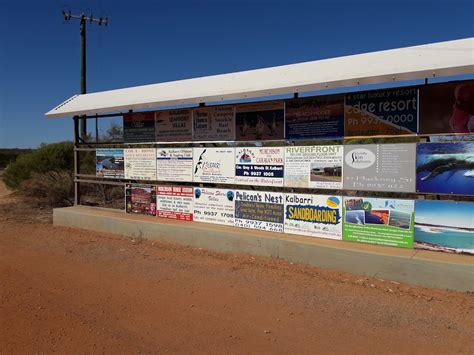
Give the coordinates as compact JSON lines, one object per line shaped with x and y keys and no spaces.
{"x":260,"y":121}
{"x":445,"y":168}
{"x":313,"y":215}
{"x":379,"y":221}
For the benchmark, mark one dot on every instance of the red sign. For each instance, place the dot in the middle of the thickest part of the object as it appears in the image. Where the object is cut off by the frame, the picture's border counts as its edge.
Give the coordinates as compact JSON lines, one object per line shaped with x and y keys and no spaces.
{"x":175,"y":202}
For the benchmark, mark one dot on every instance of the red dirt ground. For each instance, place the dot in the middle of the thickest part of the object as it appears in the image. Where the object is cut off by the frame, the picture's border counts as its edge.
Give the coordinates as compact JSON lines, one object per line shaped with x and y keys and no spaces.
{"x":71,"y":291}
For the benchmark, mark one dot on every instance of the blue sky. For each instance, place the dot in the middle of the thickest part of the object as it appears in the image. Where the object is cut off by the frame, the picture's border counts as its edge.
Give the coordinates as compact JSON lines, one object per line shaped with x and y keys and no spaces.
{"x":154,"y":41}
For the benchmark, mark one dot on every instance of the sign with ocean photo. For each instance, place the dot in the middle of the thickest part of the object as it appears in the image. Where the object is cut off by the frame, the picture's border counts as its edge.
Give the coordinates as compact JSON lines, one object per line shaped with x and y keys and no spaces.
{"x":110,"y":163}
{"x":259,"y":210}
{"x":315,"y":117}
{"x":446,"y":226}
{"x":317,"y":167}
{"x":313,"y":215}
{"x":379,"y":221}
{"x":445,"y":168}
{"x":380,"y":167}
{"x":381,"y":112}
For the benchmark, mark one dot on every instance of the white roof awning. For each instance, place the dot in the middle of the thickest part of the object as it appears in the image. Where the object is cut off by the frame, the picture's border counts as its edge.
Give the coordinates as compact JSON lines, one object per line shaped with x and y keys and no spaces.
{"x":410,"y":63}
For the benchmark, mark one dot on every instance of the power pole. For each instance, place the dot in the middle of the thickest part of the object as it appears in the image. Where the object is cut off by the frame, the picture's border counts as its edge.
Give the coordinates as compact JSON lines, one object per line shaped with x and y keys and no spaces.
{"x":83,"y":19}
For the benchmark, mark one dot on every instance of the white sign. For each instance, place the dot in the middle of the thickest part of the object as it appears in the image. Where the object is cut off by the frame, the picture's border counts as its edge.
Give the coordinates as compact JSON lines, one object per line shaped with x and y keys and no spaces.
{"x":318,"y":167}
{"x":140,"y":164}
{"x":174,"y":126}
{"x":215,"y":123}
{"x":214,"y":206}
{"x":213,"y":165}
{"x":174,"y":164}
{"x":259,"y":210}
{"x":262,"y":166}
{"x":314,"y":215}
{"x":175,"y":202}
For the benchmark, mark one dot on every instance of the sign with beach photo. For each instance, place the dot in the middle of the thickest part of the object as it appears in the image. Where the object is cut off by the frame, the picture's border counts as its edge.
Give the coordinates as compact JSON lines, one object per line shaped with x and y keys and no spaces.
{"x":379,"y":221}
{"x":381,"y":112}
{"x":259,"y":210}
{"x":110,"y":163}
{"x":380,"y":167}
{"x":214,"y":205}
{"x":263,"y":166}
{"x":213,"y":165}
{"x":315,"y":117}
{"x":174,"y":164}
{"x":214,"y":123}
{"x":175,"y":202}
{"x":313,"y":215}
{"x":140,"y":199}
{"x":317,"y":167}
{"x":446,"y":226}
{"x":260,"y":121}
{"x":174,"y":126}
{"x":447,"y":108}
{"x":140,"y":164}
{"x":445,"y":168}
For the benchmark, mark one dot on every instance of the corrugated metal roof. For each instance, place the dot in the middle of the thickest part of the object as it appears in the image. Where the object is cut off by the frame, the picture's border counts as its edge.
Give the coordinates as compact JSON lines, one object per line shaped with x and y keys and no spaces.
{"x":425,"y":61}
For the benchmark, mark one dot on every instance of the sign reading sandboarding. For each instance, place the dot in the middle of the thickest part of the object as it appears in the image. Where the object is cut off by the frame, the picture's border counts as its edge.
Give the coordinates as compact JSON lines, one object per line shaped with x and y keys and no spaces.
{"x":259,"y":210}
{"x":175,"y":202}
{"x":318,"y":167}
{"x":214,"y":205}
{"x":174,"y":164}
{"x":262,"y":166}
{"x":379,"y":221}
{"x":314,"y":215}
{"x":380,"y":167}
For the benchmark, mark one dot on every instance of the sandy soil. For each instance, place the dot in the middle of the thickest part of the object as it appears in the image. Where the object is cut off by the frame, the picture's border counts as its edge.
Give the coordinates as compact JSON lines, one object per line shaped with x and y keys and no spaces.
{"x":71,"y":291}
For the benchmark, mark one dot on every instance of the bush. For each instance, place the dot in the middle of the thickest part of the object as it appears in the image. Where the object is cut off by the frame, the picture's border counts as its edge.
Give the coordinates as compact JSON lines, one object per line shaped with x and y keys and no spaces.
{"x":55,"y":157}
{"x":53,"y":188}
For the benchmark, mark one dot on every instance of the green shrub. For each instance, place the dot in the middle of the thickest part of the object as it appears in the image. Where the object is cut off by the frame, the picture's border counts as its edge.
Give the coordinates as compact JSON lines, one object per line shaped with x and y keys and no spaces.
{"x":48,"y":157}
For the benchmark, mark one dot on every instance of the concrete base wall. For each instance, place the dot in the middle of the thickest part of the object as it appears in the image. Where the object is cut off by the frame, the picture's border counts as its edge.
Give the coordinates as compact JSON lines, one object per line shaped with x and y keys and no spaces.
{"x":432,"y":269}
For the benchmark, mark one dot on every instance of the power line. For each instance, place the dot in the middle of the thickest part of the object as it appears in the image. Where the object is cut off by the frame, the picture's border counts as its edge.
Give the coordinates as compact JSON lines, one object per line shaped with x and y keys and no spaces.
{"x":83,"y":20}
